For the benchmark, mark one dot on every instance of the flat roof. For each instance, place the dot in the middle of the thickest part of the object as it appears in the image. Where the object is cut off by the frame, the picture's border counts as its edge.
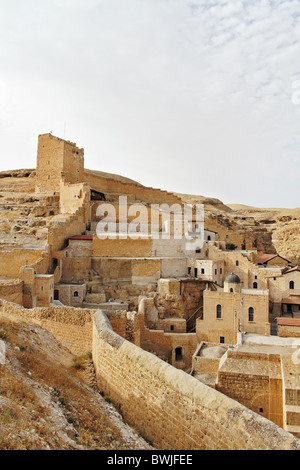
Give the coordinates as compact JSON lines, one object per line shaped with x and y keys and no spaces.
{"x":288,"y":321}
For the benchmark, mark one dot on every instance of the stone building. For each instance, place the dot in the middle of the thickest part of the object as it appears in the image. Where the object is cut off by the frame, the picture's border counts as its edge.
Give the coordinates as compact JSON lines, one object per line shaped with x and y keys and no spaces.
{"x":170,"y":297}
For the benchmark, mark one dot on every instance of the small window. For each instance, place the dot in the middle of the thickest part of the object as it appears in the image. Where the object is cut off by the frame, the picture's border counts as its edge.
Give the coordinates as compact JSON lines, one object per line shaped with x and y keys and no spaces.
{"x":209,"y":238}
{"x":196,"y":272}
{"x":237,"y":263}
{"x":231,"y":289}
{"x":75,"y":294}
{"x":221,"y":271}
{"x":254,"y":285}
{"x":261,"y":410}
{"x":251,"y":314}
{"x":202,"y":271}
{"x":255,"y":277}
{"x":178,"y":354}
{"x":171,"y":327}
{"x":292,"y":285}
{"x":189,"y":270}
{"x":219,"y":311}
{"x":222,"y":339}
{"x":198,"y":250}
{"x":216,"y":272}
{"x":274,"y":278}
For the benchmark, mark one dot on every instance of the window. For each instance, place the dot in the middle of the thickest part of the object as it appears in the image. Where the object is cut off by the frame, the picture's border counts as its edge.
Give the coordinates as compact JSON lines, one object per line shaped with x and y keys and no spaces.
{"x":209,"y":238}
{"x":189,"y":270}
{"x":216,"y":272}
{"x":198,"y":250}
{"x":251,"y":314}
{"x":237,"y":263}
{"x":221,"y":271}
{"x":222,"y":339}
{"x":202,"y":271}
{"x":261,"y":410}
{"x":196,"y":272}
{"x":292,"y":285}
{"x":231,"y":289}
{"x":171,"y":327}
{"x":254,"y":285}
{"x":75,"y":294}
{"x":178,"y":354}
{"x":219,"y":311}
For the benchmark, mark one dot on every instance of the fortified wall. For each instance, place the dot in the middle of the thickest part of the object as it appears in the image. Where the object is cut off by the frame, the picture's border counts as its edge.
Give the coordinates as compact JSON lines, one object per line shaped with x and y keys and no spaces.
{"x":172,"y":409}
{"x":169,"y":407}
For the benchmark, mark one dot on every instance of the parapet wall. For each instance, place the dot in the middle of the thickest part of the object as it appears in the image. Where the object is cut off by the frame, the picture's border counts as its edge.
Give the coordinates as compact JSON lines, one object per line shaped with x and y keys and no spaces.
{"x":172,"y":409}
{"x":71,"y":326}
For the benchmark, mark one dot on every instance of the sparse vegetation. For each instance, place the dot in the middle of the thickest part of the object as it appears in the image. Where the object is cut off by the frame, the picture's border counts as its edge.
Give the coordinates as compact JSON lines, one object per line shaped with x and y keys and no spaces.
{"x":44,"y":401}
{"x":231,"y":246}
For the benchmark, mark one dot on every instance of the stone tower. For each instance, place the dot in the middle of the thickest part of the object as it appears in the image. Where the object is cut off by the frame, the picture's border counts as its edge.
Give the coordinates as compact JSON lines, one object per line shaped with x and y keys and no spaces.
{"x":57,"y":160}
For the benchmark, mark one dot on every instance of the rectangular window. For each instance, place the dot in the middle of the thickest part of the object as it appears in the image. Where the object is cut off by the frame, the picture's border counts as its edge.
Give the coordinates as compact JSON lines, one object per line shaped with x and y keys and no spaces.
{"x":222,"y":339}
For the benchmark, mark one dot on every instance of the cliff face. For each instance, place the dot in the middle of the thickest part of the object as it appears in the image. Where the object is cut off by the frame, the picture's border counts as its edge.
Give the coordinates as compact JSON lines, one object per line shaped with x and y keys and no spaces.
{"x":282,"y":226}
{"x":25,"y":217}
{"x":269,"y":230}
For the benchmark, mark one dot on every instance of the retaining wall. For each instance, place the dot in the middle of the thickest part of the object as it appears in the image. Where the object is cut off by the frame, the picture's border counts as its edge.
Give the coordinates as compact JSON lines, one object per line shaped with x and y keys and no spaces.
{"x":172,"y":409}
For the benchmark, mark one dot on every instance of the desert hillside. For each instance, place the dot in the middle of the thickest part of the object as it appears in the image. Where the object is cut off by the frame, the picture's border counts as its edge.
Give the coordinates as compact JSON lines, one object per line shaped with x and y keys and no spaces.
{"x":25,"y":218}
{"x":283,"y":224}
{"x":48,"y":400}
{"x":273,"y":229}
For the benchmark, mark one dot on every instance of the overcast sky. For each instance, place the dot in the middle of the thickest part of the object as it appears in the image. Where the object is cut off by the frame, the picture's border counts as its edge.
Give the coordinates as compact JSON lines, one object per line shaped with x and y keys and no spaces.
{"x":200,"y":96}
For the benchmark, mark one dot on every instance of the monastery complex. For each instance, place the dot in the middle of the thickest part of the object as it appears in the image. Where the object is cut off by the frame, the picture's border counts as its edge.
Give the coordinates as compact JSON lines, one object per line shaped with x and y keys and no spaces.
{"x":194,"y":327}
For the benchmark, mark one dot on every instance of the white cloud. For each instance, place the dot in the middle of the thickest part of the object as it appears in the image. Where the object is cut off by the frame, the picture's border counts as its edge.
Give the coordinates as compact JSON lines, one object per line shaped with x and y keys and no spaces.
{"x":147,"y":86}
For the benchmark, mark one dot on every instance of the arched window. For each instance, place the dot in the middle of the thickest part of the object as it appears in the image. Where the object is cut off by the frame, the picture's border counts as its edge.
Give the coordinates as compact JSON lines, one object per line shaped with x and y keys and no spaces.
{"x":251,"y":314}
{"x":75,"y":294}
{"x":219,"y":311}
{"x":254,"y":285}
{"x":292,"y":285}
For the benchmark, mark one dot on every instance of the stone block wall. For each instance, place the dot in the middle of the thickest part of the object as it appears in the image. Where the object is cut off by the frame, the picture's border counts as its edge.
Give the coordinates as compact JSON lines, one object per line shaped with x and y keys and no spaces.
{"x":255,"y":380}
{"x":71,"y":326}
{"x":172,"y":409}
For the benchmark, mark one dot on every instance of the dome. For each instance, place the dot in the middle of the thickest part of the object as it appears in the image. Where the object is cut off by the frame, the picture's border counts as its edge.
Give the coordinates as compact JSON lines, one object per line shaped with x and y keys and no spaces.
{"x":232,"y":279}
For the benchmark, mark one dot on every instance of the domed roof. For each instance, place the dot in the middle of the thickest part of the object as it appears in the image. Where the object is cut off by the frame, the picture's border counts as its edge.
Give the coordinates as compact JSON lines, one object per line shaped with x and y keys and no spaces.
{"x":232,"y":279}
